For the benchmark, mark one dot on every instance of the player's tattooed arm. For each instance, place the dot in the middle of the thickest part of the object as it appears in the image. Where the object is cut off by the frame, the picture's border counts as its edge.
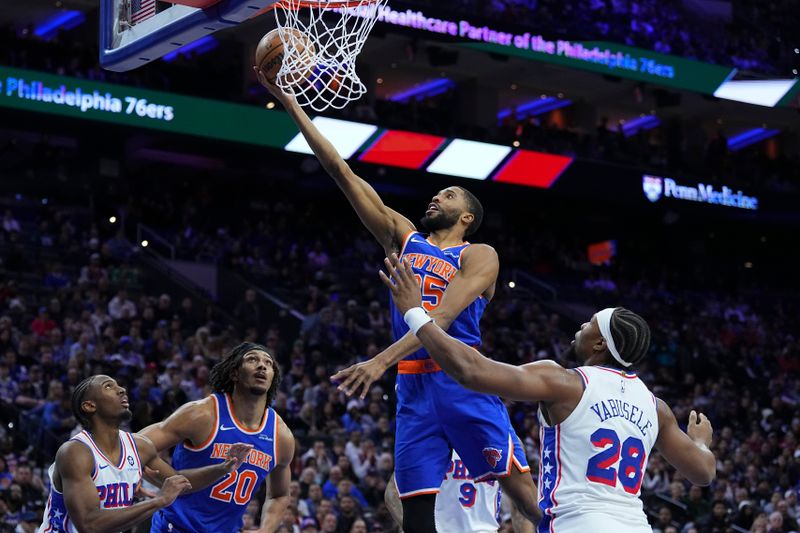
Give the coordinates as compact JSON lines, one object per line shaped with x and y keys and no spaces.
{"x":477,"y":277}
{"x":387,"y":225}
{"x":539,"y":381}
{"x":278,"y":482}
{"x":74,"y":464}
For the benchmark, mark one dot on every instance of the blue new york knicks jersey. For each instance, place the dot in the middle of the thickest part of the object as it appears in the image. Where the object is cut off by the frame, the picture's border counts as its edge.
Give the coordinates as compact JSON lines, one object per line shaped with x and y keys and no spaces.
{"x":434,"y":413}
{"x":220,"y":507}
{"x":435,"y":267}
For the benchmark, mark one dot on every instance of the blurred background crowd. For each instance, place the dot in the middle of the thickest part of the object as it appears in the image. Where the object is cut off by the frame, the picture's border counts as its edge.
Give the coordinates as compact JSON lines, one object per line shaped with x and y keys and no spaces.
{"x":148,"y":255}
{"x":78,"y":297}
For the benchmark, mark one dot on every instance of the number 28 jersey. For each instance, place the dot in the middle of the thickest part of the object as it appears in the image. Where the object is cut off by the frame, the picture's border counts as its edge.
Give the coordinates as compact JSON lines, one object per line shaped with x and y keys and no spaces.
{"x":593,"y":462}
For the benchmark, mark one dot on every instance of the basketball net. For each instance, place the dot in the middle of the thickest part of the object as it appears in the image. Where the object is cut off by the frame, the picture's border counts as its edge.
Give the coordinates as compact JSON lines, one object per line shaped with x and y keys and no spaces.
{"x":321,"y":40}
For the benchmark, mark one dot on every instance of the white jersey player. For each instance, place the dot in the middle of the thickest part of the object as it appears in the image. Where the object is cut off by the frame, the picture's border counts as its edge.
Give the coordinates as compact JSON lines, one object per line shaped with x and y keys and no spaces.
{"x":599,"y":423}
{"x":463,"y":505}
{"x":96,"y":473}
{"x":593,"y":461}
{"x":116,"y":483}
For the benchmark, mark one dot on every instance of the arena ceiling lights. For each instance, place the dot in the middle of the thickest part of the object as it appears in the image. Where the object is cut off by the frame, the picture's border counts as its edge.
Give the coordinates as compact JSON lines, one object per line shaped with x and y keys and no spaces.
{"x":346,"y":136}
{"x":469,"y":159}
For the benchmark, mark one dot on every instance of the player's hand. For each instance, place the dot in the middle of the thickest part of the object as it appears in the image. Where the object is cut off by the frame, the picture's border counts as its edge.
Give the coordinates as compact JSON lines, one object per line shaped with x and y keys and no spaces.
{"x":699,"y":428}
{"x":402,"y":282}
{"x":153,"y":476}
{"x":359,"y":376}
{"x":236,"y":456}
{"x":173,"y":487}
{"x":142,"y":492}
{"x":276,"y":91}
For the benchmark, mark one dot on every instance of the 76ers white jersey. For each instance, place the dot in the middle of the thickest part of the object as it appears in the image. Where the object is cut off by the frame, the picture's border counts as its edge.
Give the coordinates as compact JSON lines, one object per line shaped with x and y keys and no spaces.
{"x":592,"y":463}
{"x":116,"y":482}
{"x":463,"y":505}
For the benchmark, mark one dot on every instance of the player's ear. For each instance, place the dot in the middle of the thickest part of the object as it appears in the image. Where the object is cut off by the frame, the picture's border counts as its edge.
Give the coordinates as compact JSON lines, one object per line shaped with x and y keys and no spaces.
{"x":88,"y":406}
{"x":600,"y":345}
{"x":467,"y":218}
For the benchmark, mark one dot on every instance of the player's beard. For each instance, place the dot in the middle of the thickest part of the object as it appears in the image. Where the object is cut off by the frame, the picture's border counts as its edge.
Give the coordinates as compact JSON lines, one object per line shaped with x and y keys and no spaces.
{"x":444,"y":220}
{"x":126,"y":415}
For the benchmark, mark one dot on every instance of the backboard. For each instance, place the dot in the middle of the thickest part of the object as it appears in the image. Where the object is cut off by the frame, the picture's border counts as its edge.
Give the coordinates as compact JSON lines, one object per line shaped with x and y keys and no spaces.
{"x":135,"y":32}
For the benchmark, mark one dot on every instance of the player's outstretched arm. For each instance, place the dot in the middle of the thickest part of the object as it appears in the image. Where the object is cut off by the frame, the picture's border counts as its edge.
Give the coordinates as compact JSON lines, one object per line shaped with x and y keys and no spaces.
{"x":539,"y":381}
{"x":478,"y":274}
{"x":387,"y":225}
{"x":279,"y":479}
{"x":74,"y":463}
{"x":688,"y":452}
{"x":200,"y":478}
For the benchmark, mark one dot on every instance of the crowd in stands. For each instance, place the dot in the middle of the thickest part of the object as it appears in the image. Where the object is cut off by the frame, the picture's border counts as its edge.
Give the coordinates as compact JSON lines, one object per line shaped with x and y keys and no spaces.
{"x":75,"y":300}
{"x":755,"y":36}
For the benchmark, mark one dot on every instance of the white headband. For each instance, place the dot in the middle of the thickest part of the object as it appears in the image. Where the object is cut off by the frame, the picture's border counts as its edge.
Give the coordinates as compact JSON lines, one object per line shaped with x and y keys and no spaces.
{"x":604,"y":323}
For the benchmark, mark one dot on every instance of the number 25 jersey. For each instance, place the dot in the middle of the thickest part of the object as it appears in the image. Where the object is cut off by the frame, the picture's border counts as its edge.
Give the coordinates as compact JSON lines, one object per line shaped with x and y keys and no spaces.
{"x":593,"y":462}
{"x":434,"y":267}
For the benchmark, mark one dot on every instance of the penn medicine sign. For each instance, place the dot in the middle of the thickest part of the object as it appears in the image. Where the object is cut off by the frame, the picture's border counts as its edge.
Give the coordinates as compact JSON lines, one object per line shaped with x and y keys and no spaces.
{"x":655,"y":187}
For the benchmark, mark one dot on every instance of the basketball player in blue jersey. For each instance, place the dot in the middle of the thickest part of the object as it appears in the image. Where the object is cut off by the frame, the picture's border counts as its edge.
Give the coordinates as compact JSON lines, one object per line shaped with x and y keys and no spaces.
{"x":599,"y":422}
{"x":434,"y":414}
{"x":96,"y":473}
{"x":244,"y":385}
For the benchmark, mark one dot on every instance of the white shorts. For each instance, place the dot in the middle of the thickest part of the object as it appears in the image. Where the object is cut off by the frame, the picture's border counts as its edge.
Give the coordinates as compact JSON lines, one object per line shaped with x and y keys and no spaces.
{"x":599,"y":523}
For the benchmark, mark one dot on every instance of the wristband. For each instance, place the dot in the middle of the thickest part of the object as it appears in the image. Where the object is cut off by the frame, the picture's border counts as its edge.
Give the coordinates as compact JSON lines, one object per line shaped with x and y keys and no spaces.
{"x":416,"y":317}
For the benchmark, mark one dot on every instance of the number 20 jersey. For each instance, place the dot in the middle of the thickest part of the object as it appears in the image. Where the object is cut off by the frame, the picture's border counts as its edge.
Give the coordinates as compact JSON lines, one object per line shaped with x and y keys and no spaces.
{"x":593,"y":462}
{"x":220,"y":507}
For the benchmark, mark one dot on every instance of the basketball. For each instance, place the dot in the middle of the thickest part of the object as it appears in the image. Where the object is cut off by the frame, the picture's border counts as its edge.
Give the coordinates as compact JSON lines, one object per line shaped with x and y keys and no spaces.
{"x":270,"y":55}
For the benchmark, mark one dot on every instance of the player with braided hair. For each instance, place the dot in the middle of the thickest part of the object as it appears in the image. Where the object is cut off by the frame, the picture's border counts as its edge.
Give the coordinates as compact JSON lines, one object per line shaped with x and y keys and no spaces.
{"x":244,"y":384}
{"x":599,"y":422}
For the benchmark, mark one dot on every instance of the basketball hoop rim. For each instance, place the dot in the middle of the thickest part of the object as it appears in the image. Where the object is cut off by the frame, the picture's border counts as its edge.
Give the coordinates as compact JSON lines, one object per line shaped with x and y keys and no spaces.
{"x":329,"y":4}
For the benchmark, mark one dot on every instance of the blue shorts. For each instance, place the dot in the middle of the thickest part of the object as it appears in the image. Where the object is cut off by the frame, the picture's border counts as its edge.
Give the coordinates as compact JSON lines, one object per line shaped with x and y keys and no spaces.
{"x":434,"y":415}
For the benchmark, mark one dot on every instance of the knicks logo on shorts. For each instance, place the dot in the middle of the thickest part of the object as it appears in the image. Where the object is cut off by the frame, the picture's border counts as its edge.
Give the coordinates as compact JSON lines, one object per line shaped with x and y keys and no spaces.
{"x":492,"y":456}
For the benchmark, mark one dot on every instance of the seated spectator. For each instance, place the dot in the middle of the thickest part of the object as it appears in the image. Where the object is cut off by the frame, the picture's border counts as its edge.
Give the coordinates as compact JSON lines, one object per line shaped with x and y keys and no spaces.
{"x":57,"y":418}
{"x":348,"y":513}
{"x":308,"y":525}
{"x":127,"y":357}
{"x":56,"y":278}
{"x":330,"y":487}
{"x":248,"y":312}
{"x":323,"y":509}
{"x":42,"y":324}
{"x":33,"y":488}
{"x":120,"y":307}
{"x":93,"y":273}
{"x":359,"y":526}
{"x":330,"y":524}
{"x":719,"y":520}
